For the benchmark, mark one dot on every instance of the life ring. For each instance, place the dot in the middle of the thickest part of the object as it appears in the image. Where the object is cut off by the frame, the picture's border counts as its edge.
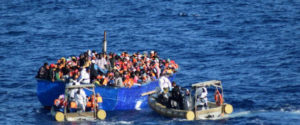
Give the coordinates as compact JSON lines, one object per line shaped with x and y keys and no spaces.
{"x":218,"y":98}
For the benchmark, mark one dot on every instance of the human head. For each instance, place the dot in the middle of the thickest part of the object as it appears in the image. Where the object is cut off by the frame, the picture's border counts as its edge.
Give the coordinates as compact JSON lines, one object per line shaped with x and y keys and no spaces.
{"x":87,"y":70}
{"x":45,"y":64}
{"x":173,"y":83}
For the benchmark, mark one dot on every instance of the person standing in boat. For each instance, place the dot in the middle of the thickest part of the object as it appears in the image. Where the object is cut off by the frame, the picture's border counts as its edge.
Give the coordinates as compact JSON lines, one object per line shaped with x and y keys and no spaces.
{"x":81,"y":100}
{"x":43,"y":71}
{"x":94,"y":71}
{"x":187,"y":100}
{"x":201,"y":99}
{"x":164,"y":83}
{"x":176,"y":99}
{"x":84,"y":77}
{"x":101,"y":62}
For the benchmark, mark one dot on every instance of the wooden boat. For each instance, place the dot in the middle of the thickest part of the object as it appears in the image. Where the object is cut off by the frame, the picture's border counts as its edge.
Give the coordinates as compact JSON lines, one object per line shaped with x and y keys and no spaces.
{"x":114,"y":98}
{"x":76,"y":116}
{"x":213,"y":111}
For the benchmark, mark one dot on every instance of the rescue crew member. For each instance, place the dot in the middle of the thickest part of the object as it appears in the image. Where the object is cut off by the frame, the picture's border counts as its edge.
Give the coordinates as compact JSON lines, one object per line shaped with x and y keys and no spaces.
{"x":164,"y":83}
{"x":201,"y":100}
{"x":80,"y":98}
{"x":84,"y":76}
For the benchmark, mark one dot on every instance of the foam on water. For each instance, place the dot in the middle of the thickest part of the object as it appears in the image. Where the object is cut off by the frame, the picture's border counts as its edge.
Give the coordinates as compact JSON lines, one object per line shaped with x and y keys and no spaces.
{"x":251,"y":46}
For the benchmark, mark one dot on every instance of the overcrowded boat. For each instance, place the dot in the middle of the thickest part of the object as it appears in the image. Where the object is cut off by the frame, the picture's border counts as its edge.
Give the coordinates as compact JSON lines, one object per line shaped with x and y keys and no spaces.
{"x":120,"y":78}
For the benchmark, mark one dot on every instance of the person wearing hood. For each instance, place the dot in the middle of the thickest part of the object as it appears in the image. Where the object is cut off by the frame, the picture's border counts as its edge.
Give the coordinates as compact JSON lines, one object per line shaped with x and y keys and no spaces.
{"x":84,"y":77}
{"x":81,"y":100}
{"x":187,"y":100}
{"x":164,"y":83}
{"x":201,"y":99}
{"x":72,"y":92}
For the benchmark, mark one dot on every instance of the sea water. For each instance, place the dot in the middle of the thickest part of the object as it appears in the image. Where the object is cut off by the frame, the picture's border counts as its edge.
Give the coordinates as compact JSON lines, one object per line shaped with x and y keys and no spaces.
{"x":252,"y":46}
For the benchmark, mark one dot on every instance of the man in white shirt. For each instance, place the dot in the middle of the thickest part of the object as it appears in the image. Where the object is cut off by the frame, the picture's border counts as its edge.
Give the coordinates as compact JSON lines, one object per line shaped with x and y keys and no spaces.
{"x":201,"y":101}
{"x":164,"y":83}
{"x":80,"y":98}
{"x":72,"y":92}
{"x":101,"y":63}
{"x":84,"y":77}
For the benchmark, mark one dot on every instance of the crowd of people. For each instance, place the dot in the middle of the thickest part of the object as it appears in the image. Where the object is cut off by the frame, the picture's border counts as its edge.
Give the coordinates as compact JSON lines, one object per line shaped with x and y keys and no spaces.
{"x":119,"y":70}
{"x":173,"y":96}
{"x":78,"y":101}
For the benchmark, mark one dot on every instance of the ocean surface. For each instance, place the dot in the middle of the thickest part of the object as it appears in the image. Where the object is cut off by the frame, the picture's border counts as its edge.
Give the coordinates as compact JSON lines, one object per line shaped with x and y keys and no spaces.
{"x":252,"y":46}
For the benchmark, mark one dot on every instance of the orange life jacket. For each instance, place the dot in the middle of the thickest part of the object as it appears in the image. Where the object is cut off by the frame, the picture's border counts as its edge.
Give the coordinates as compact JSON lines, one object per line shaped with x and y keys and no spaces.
{"x":99,"y":99}
{"x":218,"y":98}
{"x":73,"y":105}
{"x":56,"y":102}
{"x":89,"y":104}
{"x":105,"y":81}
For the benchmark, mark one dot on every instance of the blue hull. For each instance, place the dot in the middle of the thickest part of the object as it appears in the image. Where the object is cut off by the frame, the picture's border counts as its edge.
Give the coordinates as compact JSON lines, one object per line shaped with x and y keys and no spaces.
{"x":113,"y":98}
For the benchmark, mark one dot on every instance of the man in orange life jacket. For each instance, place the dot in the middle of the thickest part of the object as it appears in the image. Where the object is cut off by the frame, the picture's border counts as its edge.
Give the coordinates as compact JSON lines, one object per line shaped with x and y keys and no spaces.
{"x":59,"y":103}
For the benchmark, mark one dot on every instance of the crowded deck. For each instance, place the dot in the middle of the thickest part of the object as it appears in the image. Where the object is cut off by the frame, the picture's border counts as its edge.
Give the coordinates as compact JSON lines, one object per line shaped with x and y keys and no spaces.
{"x":102,"y":69}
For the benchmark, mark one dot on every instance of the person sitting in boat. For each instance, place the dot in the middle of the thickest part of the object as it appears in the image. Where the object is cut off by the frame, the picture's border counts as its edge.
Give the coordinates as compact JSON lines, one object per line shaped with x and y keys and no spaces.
{"x":201,"y":99}
{"x":81,"y":100}
{"x":176,"y":98}
{"x":164,"y":83}
{"x":59,"y":103}
{"x":84,"y":77}
{"x":43,"y":72}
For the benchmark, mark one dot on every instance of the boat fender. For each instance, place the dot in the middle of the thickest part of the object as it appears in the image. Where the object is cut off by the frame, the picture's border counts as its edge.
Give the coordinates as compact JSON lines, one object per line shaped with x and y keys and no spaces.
{"x":190,"y":115}
{"x":228,"y":109}
{"x":59,"y":116}
{"x":101,"y":114}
